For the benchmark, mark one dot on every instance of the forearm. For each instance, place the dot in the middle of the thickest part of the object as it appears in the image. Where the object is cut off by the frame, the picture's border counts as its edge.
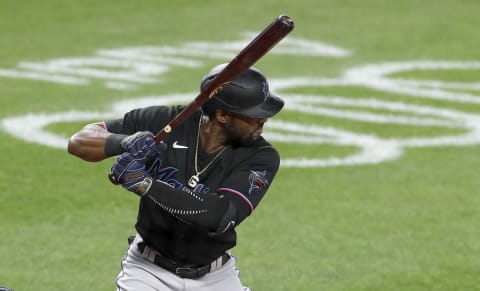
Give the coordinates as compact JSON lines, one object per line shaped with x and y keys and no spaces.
{"x":211,"y":211}
{"x":89,"y":143}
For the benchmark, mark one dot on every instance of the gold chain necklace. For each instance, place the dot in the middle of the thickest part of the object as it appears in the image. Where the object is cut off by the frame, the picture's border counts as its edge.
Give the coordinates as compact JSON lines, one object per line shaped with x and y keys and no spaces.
{"x":194,"y":179}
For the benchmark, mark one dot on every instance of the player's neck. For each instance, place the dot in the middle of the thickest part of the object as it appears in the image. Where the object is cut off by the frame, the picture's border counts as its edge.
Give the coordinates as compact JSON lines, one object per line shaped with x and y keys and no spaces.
{"x":212,"y":137}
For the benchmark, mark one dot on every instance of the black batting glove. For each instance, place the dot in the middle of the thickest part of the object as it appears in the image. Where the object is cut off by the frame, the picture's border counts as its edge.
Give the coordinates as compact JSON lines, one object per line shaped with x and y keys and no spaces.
{"x":138,"y":144}
{"x":131,"y":174}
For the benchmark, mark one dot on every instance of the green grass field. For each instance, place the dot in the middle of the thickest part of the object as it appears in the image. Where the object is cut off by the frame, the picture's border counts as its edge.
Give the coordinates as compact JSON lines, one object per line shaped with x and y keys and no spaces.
{"x":379,"y":192}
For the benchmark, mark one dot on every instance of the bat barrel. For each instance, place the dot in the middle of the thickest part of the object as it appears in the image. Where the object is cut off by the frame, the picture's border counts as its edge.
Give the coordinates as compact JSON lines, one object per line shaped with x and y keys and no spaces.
{"x":246,"y":58}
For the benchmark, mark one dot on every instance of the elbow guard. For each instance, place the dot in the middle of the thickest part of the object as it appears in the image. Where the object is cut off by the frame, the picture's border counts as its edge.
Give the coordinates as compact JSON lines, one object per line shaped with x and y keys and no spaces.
{"x":228,"y":220}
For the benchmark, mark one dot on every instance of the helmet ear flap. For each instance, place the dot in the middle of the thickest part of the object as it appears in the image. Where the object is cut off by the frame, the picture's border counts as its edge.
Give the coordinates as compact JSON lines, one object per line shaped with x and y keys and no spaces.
{"x":209,"y":107}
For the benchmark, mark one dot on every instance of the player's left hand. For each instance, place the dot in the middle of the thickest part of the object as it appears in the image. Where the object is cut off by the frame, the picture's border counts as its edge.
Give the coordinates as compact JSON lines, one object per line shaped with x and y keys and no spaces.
{"x":131,"y":173}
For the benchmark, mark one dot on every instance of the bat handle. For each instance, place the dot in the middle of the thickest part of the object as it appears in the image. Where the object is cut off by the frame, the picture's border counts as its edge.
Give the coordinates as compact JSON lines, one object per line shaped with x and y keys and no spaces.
{"x":113,"y":179}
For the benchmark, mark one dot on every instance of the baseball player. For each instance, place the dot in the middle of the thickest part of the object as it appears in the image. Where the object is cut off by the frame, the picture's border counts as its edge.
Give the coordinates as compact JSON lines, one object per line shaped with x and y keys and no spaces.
{"x":195,"y":187}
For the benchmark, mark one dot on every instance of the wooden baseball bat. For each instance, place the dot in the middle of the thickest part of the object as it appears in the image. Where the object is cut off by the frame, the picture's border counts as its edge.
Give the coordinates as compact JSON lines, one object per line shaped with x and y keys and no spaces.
{"x":247,"y":57}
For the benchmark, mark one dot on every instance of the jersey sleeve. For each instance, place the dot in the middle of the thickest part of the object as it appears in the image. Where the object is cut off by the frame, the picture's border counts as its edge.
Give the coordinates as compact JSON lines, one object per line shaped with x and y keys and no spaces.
{"x":153,"y":119}
{"x":250,"y":180}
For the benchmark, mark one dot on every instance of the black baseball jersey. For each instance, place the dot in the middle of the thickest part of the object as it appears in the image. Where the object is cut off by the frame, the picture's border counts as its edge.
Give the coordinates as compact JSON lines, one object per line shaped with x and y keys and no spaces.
{"x":175,"y":219}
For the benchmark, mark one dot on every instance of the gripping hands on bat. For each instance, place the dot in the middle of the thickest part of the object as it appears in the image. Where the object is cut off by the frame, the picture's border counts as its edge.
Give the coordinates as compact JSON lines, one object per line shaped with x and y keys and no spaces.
{"x":129,"y":169}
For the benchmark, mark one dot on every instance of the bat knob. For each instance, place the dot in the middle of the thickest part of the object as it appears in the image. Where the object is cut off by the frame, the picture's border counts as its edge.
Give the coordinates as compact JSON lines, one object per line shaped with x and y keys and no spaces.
{"x":285,"y":19}
{"x":113,"y":179}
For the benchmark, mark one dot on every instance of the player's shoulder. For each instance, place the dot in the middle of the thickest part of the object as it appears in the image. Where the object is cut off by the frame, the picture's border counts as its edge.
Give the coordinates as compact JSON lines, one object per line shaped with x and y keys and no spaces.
{"x":261,"y":144}
{"x":155,"y":110}
{"x":260,"y":151}
{"x":263,"y":147}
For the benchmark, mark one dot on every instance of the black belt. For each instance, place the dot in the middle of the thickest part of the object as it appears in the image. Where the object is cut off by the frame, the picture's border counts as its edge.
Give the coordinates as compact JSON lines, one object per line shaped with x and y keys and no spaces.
{"x":188,"y":272}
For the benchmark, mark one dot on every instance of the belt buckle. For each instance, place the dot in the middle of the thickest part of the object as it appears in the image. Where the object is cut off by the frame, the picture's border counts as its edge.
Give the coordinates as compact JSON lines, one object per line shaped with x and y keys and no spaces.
{"x":185,"y":272}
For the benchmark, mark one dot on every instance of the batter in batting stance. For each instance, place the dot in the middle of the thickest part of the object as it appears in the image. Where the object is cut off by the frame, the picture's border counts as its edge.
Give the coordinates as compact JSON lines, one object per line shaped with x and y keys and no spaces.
{"x":195,"y":187}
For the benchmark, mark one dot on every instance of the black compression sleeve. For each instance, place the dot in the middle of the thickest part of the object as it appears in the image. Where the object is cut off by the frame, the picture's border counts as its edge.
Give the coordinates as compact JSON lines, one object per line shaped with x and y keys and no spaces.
{"x":113,"y":145}
{"x":212,"y":211}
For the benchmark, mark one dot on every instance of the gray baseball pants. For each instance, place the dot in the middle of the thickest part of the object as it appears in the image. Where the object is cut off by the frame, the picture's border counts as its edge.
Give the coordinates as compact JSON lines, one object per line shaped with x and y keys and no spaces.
{"x":139,"y":274}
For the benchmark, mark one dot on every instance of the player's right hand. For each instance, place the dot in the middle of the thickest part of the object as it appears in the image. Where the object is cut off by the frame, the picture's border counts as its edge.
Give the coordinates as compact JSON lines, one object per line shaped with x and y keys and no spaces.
{"x":131,"y":174}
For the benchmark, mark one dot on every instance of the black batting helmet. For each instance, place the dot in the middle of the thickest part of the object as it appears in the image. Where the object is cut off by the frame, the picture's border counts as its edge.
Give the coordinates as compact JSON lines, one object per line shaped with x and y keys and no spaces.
{"x":248,"y":94}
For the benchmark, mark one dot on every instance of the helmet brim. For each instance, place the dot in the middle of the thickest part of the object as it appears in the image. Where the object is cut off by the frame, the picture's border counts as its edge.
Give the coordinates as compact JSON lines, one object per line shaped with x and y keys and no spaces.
{"x":271,"y":106}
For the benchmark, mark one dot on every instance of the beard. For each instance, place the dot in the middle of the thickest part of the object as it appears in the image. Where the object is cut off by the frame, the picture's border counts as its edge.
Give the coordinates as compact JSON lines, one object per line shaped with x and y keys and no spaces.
{"x":234,"y":138}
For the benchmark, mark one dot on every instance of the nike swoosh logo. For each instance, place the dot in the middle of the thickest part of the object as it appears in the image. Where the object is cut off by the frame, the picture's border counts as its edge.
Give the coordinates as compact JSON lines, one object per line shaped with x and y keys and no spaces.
{"x":231,"y":223}
{"x":177,"y":146}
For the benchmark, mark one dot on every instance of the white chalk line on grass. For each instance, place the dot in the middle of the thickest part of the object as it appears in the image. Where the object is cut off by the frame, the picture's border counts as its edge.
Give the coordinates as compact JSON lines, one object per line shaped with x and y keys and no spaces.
{"x":371,"y":148}
{"x":126,"y":68}
{"x":31,"y":127}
